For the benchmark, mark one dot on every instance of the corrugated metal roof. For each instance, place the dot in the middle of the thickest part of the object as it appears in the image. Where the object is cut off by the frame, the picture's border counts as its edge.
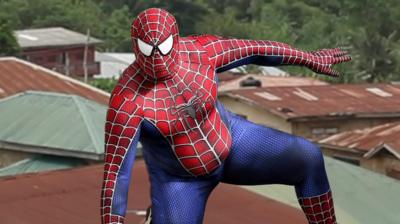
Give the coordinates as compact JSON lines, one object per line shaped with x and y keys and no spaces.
{"x":59,"y":123}
{"x":368,"y":139}
{"x":72,"y":196}
{"x":360,"y":196}
{"x":325,"y":100}
{"x":269,"y":81}
{"x":39,"y":164}
{"x":18,"y":76}
{"x":51,"y":37}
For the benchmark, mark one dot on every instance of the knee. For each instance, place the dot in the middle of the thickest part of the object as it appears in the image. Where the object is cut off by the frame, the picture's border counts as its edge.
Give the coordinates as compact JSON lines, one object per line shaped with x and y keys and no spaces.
{"x":311,"y":154}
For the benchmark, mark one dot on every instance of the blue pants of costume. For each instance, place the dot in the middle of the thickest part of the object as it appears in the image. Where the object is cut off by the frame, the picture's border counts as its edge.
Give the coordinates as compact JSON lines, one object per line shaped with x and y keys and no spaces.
{"x":259,"y":155}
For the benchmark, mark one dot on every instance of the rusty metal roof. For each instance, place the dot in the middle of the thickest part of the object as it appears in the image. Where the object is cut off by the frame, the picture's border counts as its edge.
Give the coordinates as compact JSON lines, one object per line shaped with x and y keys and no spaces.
{"x":362,"y":100}
{"x":268,"y":81}
{"x":73,"y":196}
{"x":17,"y":76}
{"x":368,"y":140}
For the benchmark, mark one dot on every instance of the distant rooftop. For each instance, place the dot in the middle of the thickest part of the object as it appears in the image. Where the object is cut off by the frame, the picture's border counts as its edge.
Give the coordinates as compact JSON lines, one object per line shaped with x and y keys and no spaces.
{"x":265,"y":70}
{"x":51,"y":37}
{"x":368,"y":140}
{"x":341,"y":100}
{"x":53,"y":124}
{"x":268,"y":81}
{"x":17,"y":76}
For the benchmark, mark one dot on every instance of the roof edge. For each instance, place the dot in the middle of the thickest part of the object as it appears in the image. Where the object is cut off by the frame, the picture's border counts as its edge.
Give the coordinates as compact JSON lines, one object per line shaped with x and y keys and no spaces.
{"x":340,"y":148}
{"x":49,"y":151}
{"x":377,"y":149}
{"x":58,"y":75}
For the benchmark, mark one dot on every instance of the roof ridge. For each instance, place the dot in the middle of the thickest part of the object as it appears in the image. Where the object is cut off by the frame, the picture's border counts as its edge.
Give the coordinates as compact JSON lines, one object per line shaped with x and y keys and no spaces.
{"x":2,"y":100}
{"x":82,"y":109}
{"x":38,"y":92}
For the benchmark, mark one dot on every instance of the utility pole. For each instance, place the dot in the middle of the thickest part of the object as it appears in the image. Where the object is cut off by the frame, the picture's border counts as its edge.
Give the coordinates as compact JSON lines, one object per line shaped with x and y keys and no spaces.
{"x":85,"y":68}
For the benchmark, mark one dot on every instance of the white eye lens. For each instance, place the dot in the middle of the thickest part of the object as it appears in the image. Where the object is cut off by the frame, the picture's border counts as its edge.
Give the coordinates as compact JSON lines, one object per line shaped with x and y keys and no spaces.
{"x":166,"y":46}
{"x":146,"y":49}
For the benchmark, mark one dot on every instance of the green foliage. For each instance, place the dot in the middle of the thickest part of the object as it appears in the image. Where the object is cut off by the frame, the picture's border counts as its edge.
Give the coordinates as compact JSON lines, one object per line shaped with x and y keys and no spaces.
{"x":369,"y":29}
{"x":116,"y":31}
{"x":8,"y":43}
{"x":104,"y":84}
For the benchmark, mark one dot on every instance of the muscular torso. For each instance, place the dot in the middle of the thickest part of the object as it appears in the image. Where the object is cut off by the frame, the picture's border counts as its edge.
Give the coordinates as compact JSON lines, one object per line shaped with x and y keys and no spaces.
{"x":182,"y":110}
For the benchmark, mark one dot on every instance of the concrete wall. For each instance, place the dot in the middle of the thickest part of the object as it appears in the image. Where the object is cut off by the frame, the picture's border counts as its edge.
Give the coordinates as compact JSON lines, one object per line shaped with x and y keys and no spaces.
{"x":255,"y":114}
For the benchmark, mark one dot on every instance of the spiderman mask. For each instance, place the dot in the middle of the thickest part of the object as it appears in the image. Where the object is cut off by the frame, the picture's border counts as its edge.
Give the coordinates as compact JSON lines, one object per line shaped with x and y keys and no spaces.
{"x":155,"y":39}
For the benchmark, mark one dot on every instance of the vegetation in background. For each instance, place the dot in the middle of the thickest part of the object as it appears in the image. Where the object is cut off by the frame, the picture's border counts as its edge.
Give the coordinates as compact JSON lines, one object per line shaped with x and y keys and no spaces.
{"x":367,"y":28}
{"x":104,"y":84}
{"x":8,"y":43}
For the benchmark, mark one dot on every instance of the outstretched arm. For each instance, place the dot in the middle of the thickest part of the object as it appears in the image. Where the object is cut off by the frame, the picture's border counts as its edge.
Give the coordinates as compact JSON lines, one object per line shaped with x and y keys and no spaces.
{"x":228,"y":53}
{"x":121,"y":138}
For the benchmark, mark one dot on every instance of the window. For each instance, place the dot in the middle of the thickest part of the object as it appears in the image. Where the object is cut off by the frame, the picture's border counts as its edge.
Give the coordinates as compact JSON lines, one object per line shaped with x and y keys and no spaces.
{"x":324,"y":131}
{"x":317,"y":131}
{"x":331,"y":130}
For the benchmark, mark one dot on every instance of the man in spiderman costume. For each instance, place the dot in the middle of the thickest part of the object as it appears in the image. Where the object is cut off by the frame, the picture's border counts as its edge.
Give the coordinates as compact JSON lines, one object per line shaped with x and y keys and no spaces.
{"x":167,"y":99}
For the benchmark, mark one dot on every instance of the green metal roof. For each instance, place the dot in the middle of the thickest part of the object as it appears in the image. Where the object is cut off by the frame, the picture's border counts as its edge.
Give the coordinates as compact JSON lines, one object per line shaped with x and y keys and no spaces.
{"x":361,"y":196}
{"x":52,"y":123}
{"x":41,"y":163}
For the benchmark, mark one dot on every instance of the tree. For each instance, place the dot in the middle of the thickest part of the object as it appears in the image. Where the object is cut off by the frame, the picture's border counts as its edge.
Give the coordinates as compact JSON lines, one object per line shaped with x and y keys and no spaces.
{"x":8,"y":43}
{"x":116,"y":30}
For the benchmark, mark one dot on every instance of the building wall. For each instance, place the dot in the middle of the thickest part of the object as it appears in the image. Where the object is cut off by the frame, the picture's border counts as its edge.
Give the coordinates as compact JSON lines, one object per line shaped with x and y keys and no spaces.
{"x":68,"y":61}
{"x":8,"y":157}
{"x":255,"y":114}
{"x":383,"y":163}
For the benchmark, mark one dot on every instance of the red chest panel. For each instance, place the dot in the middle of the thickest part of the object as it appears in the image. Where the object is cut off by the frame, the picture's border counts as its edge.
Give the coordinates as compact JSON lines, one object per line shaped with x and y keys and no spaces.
{"x":183,"y":110}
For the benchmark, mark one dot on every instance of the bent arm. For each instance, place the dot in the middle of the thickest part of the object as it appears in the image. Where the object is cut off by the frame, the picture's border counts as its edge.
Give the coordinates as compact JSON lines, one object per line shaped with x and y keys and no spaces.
{"x":121,"y":138}
{"x":226,"y":53}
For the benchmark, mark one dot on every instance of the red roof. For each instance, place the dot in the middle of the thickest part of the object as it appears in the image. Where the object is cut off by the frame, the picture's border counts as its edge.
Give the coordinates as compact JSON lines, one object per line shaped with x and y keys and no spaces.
{"x":368,"y":140}
{"x":268,"y":81}
{"x":73,"y":196}
{"x":18,"y":76}
{"x":325,"y":100}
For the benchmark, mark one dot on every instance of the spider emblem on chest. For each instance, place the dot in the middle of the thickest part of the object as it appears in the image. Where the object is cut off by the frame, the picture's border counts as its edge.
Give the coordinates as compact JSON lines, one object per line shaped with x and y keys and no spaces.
{"x":195,"y":109}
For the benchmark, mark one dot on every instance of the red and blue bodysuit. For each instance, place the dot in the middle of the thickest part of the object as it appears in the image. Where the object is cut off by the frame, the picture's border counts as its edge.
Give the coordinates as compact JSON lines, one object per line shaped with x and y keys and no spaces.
{"x":167,"y":100}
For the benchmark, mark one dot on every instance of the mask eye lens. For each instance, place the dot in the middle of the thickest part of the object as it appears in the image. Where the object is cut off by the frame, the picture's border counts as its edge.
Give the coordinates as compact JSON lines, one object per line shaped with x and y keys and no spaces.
{"x":166,"y":46}
{"x":146,"y":49}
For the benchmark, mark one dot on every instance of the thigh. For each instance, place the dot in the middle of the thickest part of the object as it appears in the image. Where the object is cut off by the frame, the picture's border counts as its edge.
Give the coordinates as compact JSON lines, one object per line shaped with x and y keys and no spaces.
{"x":179,"y":200}
{"x":263,"y":155}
